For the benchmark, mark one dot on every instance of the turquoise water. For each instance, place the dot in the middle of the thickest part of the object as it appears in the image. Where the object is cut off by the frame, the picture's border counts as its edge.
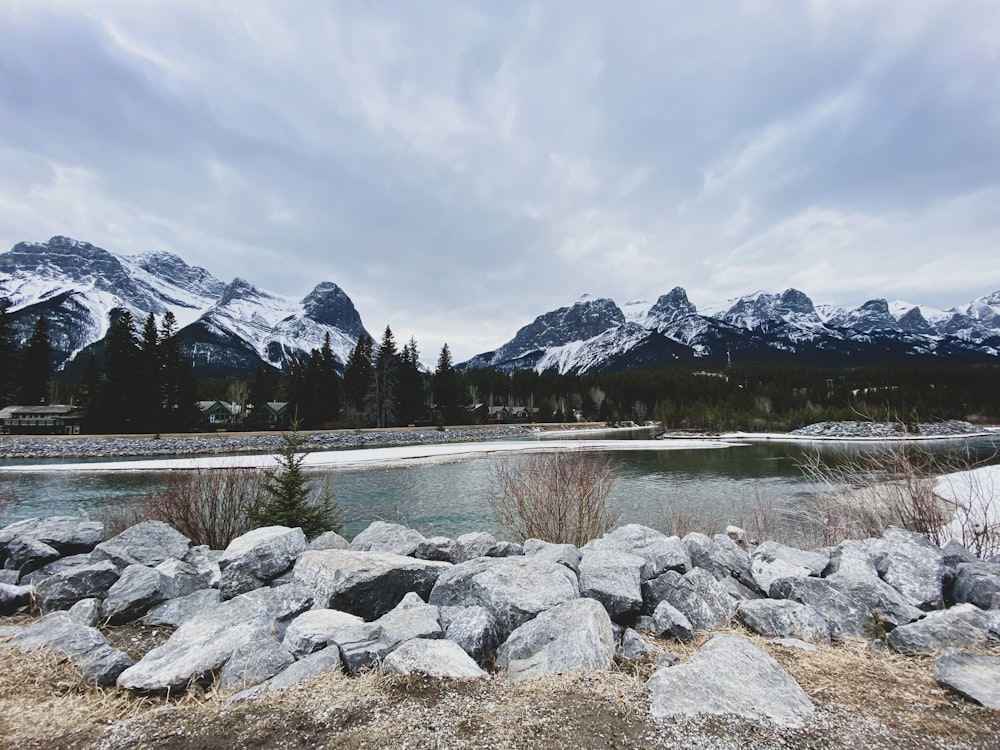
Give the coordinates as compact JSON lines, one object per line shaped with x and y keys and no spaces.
{"x":674,"y":490}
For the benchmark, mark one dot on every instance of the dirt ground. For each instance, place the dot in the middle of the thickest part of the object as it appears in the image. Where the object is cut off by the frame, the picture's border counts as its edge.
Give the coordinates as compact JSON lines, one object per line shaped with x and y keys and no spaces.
{"x":864,"y":699}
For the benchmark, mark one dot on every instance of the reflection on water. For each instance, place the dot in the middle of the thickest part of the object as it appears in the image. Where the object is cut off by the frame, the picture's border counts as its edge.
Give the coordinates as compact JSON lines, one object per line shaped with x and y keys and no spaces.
{"x":667,"y":489}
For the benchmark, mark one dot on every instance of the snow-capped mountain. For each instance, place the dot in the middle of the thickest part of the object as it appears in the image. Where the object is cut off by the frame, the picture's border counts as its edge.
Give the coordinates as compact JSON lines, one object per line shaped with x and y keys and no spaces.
{"x":225,"y":328}
{"x":594,"y":335}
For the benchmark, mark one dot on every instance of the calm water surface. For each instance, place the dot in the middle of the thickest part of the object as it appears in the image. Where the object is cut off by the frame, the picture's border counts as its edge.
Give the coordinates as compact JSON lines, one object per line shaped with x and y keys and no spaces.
{"x":717,"y":487}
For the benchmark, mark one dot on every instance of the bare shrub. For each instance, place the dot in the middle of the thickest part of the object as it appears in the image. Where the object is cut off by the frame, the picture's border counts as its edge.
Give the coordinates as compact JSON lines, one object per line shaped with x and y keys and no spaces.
{"x":895,"y":486}
{"x":560,"y":497}
{"x":209,"y":506}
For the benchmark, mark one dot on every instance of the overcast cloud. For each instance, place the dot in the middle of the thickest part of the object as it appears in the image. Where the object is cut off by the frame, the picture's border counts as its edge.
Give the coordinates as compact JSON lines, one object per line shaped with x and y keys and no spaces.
{"x":461,"y":167}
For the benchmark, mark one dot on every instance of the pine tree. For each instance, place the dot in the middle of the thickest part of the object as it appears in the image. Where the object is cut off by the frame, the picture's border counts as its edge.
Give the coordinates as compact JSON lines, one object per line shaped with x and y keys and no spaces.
{"x":357,"y":378}
{"x":36,"y":366}
{"x":148,"y":380}
{"x":411,"y":384}
{"x":384,"y":394}
{"x":325,"y":383}
{"x":445,"y":387}
{"x":119,"y":393}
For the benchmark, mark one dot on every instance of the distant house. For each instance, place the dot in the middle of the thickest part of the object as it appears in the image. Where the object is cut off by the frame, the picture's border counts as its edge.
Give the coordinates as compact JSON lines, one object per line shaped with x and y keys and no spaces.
{"x":276,"y":413}
{"x":55,"y":419}
{"x":498,"y":414}
{"x":219,"y":414}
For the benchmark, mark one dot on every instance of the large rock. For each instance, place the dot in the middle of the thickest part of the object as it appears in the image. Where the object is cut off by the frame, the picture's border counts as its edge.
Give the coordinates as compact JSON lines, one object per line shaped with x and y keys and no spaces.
{"x":367,"y":584}
{"x":175,"y":612}
{"x":514,"y":589}
{"x":86,"y":647}
{"x":973,"y":676}
{"x":199,"y":569}
{"x":728,"y":676}
{"x":63,"y":590}
{"x":670,"y":622}
{"x":68,"y":535}
{"x":564,"y":554}
{"x":434,"y":658}
{"x":257,"y":557}
{"x":254,"y":662}
{"x":573,"y":635}
{"x":697,"y":594}
{"x":439,"y":548}
{"x":961,"y":626}
{"x":659,"y":552}
{"x":56,"y":566}
{"x":411,"y":618}
{"x":318,"y":628}
{"x":977,"y":583}
{"x":26,"y":554}
{"x":200,"y":647}
{"x":876,"y":595}
{"x":329,"y":540}
{"x":783,"y":618}
{"x":474,"y":544}
{"x":147,"y":543}
{"x":473,"y":628}
{"x":12,"y":598}
{"x":387,"y":537}
{"x":131,"y":596}
{"x":767,"y":570}
{"x":915,"y":567}
{"x":858,"y":558}
{"x":614,"y":579}
{"x":815,"y":561}
{"x":720,"y":556}
{"x":298,"y":671}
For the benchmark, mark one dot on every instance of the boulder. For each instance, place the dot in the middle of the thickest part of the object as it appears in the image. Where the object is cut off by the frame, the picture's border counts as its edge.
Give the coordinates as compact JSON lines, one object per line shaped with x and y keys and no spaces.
{"x":195,"y":572}
{"x":296,"y":672}
{"x":854,"y":558}
{"x":961,"y":626}
{"x":25,"y":554}
{"x":783,"y":618}
{"x":875,"y":595}
{"x":973,"y":676}
{"x":513,"y":589}
{"x":200,"y":647}
{"x":411,"y":618}
{"x":634,"y":646}
{"x":367,"y":584}
{"x":473,"y":628}
{"x":136,"y":590}
{"x":56,"y":566}
{"x":697,"y":594}
{"x":474,"y":544}
{"x":720,"y":556}
{"x":670,"y":622}
{"x":64,"y":589}
{"x":728,"y":676}
{"x":387,"y":537}
{"x":659,"y":551}
{"x":318,"y":628}
{"x":86,"y":612}
{"x":503,"y":548}
{"x":254,"y":662}
{"x":434,"y":658}
{"x":255,"y":558}
{"x":614,"y":579}
{"x":976,"y":583}
{"x":915,"y":567}
{"x":175,"y":612}
{"x":564,"y":554}
{"x":147,"y":543}
{"x":12,"y":598}
{"x":573,"y":635}
{"x":9,"y":577}
{"x":815,"y":561}
{"x":329,"y":540}
{"x":437,"y":548}
{"x":766,"y":570}
{"x":86,"y":647}
{"x":68,"y":535}
{"x":954,"y":552}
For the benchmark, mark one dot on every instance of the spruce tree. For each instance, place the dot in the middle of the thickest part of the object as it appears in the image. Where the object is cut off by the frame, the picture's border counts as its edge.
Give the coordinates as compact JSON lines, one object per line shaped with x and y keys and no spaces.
{"x":357,"y":378}
{"x":411,"y":384}
{"x":119,"y":393}
{"x":36,"y":366}
{"x":384,"y":394}
{"x":445,"y":387}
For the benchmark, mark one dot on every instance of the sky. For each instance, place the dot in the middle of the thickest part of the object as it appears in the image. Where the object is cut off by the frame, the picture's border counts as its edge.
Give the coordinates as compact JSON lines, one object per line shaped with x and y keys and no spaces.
{"x":459,"y":168}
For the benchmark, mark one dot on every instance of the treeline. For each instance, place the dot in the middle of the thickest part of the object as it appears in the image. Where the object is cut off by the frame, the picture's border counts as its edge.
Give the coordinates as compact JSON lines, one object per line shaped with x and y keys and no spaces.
{"x":139,"y":381}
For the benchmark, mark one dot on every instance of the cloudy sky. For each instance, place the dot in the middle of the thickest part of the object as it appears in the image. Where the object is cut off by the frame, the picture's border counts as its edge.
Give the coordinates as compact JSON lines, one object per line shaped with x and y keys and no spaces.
{"x":459,"y":168}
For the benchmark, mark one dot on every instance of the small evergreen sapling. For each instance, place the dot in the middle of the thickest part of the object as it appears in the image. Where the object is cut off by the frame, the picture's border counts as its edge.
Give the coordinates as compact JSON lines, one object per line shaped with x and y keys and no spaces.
{"x":290,"y":502}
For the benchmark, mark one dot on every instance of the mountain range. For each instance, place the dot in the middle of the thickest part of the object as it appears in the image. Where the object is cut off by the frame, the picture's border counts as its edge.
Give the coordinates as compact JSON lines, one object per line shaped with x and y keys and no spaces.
{"x":231,"y":329}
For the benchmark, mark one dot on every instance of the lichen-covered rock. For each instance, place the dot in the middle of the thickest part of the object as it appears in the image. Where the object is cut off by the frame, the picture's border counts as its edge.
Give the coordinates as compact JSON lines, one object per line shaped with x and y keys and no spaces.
{"x":573,"y":635}
{"x":729,"y":676}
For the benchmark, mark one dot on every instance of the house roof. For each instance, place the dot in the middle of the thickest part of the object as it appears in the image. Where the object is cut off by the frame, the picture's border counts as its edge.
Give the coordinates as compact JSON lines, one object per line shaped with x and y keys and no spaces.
{"x":9,"y":412}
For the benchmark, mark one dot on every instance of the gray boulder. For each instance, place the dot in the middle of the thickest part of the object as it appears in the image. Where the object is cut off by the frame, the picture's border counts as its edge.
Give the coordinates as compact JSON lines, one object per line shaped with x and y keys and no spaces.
{"x":815,"y":561}
{"x":783,"y":618}
{"x":474,"y":544}
{"x":63,"y":590}
{"x":434,"y":658}
{"x":720,"y":556}
{"x":728,"y":676}
{"x":573,"y":635}
{"x":875,"y":595}
{"x":411,"y":618}
{"x":973,"y":676}
{"x":86,"y":647}
{"x":316,"y":629}
{"x":634,"y":646}
{"x":200,"y":647}
{"x":854,"y":558}
{"x":954,"y":552}
{"x":253,"y":662}
{"x":613,"y":578}
{"x":564,"y":554}
{"x":257,"y":557}
{"x":439,"y":548}
{"x":915,"y":567}
{"x":26,"y":554}
{"x":766,"y":570}
{"x":977,"y":583}
{"x":199,"y":569}
{"x":513,"y":589}
{"x":68,"y":535}
{"x":329,"y":540}
{"x":9,"y":577}
{"x":56,"y":566}
{"x":367,"y":584}
{"x":387,"y":537}
{"x":147,"y":543}
{"x":670,"y":622}
{"x":296,"y":672}
{"x":473,"y":628}
{"x":961,"y":626}
{"x":659,"y":551}
{"x":697,"y":594}
{"x":86,"y":612}
{"x":12,"y":598}
{"x":136,"y":590}
{"x":175,"y":612}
